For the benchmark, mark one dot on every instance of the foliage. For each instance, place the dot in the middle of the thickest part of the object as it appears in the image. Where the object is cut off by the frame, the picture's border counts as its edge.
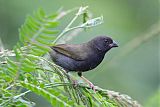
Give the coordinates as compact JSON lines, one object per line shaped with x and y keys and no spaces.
{"x":27,"y":66}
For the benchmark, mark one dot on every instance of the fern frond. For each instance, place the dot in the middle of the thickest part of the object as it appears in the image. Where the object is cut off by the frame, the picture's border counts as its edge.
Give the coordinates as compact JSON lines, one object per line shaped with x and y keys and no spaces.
{"x":38,"y":31}
{"x":26,"y":67}
{"x":53,"y":97}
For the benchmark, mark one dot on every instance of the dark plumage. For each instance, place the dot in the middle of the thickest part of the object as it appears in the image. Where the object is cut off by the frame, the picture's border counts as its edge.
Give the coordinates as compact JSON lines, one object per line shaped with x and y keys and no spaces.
{"x":82,"y":57}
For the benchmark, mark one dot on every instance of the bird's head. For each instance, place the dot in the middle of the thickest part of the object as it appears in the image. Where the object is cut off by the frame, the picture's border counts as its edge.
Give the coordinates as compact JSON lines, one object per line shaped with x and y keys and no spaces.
{"x":103,"y":43}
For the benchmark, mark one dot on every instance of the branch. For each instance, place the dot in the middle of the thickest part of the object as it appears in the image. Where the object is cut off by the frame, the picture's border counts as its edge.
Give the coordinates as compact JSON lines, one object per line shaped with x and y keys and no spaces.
{"x":121,"y":99}
{"x":67,"y":28}
{"x":90,"y":23}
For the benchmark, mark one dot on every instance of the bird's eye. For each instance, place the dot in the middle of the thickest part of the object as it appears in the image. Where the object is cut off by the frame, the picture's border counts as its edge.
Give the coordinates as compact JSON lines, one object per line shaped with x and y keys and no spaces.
{"x":107,"y":41}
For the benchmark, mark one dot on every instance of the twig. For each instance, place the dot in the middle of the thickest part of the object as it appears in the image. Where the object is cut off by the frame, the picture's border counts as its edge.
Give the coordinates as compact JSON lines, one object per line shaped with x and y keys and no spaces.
{"x":10,"y":86}
{"x":67,"y":28}
{"x":122,"y":99}
{"x":15,"y":97}
{"x":7,"y":52}
{"x":69,"y":36}
{"x":22,"y":94}
{"x":119,"y":98}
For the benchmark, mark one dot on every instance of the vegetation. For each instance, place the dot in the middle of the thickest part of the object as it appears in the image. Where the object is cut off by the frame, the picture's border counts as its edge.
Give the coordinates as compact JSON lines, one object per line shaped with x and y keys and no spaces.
{"x":27,"y":67}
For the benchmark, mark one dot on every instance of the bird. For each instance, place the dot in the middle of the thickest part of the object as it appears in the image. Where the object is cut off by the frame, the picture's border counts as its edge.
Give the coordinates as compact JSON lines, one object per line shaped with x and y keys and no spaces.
{"x":82,"y":57}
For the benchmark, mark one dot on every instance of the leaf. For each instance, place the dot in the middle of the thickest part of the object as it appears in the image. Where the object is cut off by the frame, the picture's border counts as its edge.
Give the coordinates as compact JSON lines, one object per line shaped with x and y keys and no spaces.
{"x":41,"y":12}
{"x":48,"y":31}
{"x":48,"y":37}
{"x":51,"y":24}
{"x":50,"y":97}
{"x":93,"y":22}
{"x":38,"y":27}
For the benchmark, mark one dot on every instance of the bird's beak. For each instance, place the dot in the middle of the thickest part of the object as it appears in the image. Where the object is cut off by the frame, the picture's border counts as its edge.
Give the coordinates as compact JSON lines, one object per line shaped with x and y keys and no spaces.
{"x":114,"y":44}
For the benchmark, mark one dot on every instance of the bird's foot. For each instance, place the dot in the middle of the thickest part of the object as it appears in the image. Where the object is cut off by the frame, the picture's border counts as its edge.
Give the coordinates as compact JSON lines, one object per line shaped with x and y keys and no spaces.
{"x":75,"y":83}
{"x":92,"y":87}
{"x":89,"y":83}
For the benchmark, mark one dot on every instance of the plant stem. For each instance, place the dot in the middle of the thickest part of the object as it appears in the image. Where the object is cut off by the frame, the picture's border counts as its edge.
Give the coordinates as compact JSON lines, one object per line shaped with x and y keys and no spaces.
{"x":67,"y":28}
{"x":22,"y":94}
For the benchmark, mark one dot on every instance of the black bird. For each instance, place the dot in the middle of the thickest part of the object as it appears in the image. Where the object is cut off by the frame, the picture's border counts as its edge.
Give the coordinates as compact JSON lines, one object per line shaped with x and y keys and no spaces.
{"x":82,"y":57}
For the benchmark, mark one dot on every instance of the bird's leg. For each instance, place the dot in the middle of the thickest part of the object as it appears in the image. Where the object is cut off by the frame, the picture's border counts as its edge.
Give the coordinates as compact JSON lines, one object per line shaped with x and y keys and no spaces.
{"x":86,"y":80}
{"x":72,"y":79}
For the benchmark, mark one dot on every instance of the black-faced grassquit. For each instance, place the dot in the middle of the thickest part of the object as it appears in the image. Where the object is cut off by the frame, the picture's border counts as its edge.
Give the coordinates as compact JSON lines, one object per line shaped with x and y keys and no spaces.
{"x":82,"y":57}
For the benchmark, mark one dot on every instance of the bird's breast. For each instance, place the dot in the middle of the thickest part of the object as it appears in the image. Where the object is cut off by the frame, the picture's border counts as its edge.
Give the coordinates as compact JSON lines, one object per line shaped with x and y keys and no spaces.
{"x":95,"y":60}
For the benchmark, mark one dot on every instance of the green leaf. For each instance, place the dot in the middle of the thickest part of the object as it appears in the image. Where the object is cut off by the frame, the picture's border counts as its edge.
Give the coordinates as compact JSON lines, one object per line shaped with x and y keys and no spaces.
{"x":41,"y":12}
{"x":12,"y":64}
{"x":51,"y":24}
{"x":52,"y":16}
{"x":38,"y":28}
{"x":42,"y":41}
{"x":41,"y":47}
{"x":28,"y":62}
{"x":47,"y":31}
{"x":47,"y":37}
{"x":50,"y":97}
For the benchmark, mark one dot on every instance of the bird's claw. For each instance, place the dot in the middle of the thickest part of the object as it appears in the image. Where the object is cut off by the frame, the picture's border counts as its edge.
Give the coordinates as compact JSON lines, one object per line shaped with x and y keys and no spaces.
{"x":75,"y":83}
{"x":92,"y":87}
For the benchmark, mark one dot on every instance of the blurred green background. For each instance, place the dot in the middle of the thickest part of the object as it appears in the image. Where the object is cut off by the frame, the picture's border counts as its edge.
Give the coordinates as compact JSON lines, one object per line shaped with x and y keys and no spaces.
{"x":132,"y":68}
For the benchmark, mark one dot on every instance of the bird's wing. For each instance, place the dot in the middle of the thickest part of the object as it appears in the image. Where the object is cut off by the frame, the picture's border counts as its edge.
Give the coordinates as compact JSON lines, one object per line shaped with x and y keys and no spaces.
{"x":77,"y":52}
